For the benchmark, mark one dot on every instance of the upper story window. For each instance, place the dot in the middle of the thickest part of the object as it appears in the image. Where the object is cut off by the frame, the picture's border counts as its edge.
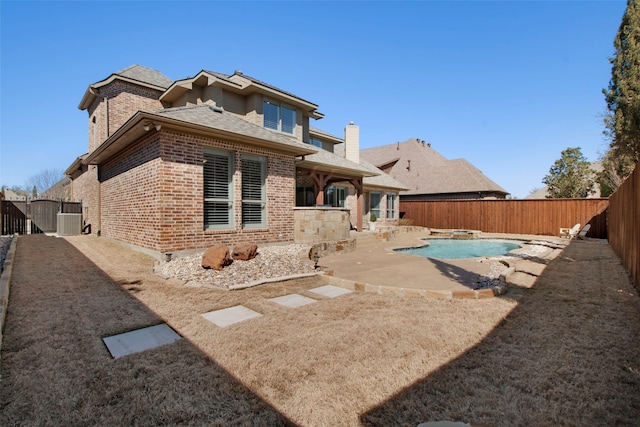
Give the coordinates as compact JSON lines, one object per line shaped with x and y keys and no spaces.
{"x":279,"y":117}
{"x":315,"y":142}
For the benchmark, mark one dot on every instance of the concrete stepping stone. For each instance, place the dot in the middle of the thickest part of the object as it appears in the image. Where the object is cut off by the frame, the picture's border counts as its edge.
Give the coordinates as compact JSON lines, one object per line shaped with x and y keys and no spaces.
{"x":140,"y":340}
{"x":330,"y":291}
{"x":231,"y":315}
{"x":293,"y":300}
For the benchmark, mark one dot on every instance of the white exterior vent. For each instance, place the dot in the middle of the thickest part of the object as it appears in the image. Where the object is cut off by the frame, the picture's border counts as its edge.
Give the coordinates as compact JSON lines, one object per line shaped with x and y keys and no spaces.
{"x":69,"y":224}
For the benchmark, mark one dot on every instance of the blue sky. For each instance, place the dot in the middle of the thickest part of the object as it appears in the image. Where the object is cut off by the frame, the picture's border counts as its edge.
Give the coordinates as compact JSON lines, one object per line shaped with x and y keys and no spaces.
{"x":506,"y":85}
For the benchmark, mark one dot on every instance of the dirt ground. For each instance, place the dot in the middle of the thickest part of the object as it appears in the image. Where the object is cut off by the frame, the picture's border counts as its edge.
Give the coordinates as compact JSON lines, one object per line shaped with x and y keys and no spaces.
{"x":564,"y":351}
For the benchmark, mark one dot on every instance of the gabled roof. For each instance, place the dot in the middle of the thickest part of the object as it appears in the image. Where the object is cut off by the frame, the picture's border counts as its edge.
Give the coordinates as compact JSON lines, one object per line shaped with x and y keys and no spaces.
{"x":326,"y":161}
{"x":382,"y":180}
{"x":137,"y":74}
{"x":315,"y":132}
{"x":145,"y":75}
{"x":238,"y":75}
{"x":76,"y":167}
{"x":12,"y":195}
{"x":425,"y":171}
{"x":239,"y":83}
{"x":201,"y":119}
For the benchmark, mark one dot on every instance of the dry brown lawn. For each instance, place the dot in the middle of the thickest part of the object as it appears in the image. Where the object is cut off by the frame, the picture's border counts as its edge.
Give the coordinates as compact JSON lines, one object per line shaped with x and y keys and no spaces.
{"x":563,"y":352}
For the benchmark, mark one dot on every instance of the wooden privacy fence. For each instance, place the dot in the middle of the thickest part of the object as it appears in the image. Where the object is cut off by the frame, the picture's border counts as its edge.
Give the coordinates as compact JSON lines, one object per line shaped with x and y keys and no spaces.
{"x":13,"y":219}
{"x":42,"y":213}
{"x":624,"y":224}
{"x":538,"y":217}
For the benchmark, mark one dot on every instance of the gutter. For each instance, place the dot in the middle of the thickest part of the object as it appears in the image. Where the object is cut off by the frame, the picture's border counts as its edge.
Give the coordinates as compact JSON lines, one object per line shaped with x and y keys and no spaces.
{"x":131,"y":132}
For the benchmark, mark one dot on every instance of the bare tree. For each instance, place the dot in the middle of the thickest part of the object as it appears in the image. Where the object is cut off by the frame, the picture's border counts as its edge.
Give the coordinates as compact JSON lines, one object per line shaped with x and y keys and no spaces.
{"x":44,"y":180}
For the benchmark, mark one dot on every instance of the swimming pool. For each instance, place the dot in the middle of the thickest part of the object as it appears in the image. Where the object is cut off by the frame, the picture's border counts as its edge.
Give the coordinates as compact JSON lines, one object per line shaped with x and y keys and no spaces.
{"x":460,"y":249}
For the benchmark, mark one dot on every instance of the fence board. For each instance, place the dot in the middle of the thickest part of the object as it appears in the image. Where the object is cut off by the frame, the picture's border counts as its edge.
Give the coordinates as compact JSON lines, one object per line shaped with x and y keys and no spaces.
{"x":42,"y":213}
{"x":624,"y":224}
{"x":538,"y":217}
{"x":13,"y":219}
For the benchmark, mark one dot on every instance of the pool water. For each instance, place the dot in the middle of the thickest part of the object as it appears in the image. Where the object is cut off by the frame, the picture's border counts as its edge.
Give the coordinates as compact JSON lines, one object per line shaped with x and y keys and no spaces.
{"x":459,"y":249}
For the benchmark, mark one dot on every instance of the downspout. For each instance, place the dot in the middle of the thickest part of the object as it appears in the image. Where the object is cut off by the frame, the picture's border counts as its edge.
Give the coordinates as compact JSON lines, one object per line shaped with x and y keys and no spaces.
{"x":106,"y":115}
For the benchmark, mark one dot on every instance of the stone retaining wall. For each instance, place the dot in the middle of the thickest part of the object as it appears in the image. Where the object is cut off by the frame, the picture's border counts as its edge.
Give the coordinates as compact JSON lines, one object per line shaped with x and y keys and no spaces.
{"x":320,"y":224}
{"x":326,"y":229}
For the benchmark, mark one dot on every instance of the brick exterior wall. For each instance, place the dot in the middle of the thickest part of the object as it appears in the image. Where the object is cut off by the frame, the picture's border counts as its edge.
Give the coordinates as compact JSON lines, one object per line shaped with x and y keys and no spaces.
{"x":125,"y":99}
{"x":84,"y":189}
{"x":131,"y":194}
{"x":152,"y":195}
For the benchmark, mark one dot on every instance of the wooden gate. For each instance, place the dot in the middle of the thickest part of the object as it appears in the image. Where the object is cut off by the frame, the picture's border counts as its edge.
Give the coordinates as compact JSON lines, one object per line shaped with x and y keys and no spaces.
{"x":42,"y":213}
{"x":14,"y":220}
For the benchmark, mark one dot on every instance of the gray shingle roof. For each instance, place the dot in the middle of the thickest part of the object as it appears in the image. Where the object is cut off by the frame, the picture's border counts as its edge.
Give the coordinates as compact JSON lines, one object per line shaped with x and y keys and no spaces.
{"x":322,"y":133}
{"x":261,"y":83}
{"x":145,"y":75}
{"x":326,"y":160}
{"x":425,"y":171}
{"x":381,"y":180}
{"x":215,"y":118}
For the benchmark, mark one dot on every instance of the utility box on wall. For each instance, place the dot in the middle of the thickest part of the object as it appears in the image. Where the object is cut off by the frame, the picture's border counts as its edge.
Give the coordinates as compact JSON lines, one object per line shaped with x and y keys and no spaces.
{"x":69,"y":224}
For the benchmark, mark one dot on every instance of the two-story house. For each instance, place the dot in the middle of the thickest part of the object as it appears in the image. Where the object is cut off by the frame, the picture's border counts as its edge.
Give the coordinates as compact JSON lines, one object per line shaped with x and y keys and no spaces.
{"x":214,"y":158}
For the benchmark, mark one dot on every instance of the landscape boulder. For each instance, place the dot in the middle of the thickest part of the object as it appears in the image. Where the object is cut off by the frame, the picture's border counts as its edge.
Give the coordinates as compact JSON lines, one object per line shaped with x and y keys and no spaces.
{"x":216,"y":257}
{"x":245,"y":251}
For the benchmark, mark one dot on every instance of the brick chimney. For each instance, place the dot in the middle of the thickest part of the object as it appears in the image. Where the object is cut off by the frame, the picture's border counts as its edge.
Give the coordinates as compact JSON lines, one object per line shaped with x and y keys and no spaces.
{"x":352,"y":143}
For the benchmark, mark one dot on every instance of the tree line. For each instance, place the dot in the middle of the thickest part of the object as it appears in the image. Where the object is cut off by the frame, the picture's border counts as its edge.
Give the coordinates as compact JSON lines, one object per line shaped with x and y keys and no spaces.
{"x":572,"y":176}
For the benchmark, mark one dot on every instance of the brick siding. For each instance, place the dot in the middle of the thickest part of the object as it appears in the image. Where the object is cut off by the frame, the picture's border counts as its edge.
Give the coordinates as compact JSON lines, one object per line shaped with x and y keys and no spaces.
{"x":152,"y":194}
{"x":84,"y":189}
{"x":125,"y":99}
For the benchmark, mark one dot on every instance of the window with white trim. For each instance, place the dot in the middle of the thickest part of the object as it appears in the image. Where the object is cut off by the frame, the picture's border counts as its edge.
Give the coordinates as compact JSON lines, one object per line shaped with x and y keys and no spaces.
{"x":254,"y":194}
{"x":392,"y":199}
{"x":218,"y":189}
{"x":279,"y":117}
{"x":315,"y":142}
{"x":335,"y":196}
{"x":374,"y":204}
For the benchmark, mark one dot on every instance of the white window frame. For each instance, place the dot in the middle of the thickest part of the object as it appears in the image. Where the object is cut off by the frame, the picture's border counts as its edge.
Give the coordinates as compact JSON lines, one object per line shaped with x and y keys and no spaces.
{"x":336,"y":196}
{"x":392,"y":202}
{"x":315,"y":142}
{"x":375,"y":209}
{"x":214,"y":193}
{"x":253,"y":198}
{"x":278,"y":123}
